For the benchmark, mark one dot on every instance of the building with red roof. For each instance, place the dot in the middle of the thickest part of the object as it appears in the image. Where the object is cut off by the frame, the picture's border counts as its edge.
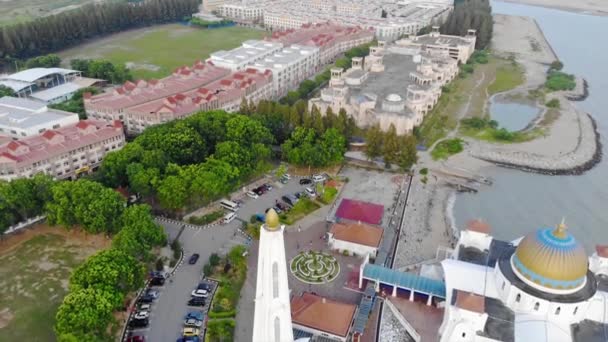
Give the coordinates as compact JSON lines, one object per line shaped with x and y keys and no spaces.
{"x":66,"y":152}
{"x":322,"y":317}
{"x":360,"y":211}
{"x":357,"y":239}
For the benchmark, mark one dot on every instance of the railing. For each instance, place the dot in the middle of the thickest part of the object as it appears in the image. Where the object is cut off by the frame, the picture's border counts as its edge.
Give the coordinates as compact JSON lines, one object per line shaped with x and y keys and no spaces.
{"x":25,"y":224}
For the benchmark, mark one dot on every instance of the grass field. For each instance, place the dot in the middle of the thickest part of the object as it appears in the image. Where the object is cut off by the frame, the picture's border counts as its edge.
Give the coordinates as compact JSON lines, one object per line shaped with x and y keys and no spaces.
{"x":16,"y":11}
{"x":155,"y":52}
{"x":34,"y":275}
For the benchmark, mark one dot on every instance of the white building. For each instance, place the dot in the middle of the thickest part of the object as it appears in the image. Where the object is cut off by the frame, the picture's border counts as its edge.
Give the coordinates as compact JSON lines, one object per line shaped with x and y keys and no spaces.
{"x":272,"y":317}
{"x":355,"y":238}
{"x":290,"y":66}
{"x":21,"y":118}
{"x":249,"y":53}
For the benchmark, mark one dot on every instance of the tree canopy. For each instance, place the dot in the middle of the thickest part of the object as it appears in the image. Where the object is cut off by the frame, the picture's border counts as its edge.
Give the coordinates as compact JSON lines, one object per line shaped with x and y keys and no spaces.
{"x":471,"y":14}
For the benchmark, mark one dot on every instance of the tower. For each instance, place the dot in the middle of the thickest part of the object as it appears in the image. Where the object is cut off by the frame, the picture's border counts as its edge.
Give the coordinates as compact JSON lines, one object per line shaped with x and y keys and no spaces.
{"x":272,"y":318}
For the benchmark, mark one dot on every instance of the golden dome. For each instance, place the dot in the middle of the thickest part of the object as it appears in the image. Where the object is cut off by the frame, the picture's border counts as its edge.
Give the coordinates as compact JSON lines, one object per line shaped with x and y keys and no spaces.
{"x":552,"y":259}
{"x":272,"y":220}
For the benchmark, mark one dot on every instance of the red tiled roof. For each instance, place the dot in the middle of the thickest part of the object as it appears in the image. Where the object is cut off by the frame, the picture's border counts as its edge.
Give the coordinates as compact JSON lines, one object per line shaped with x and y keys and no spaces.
{"x":82,"y":124}
{"x":602,"y":251}
{"x":13,"y":145}
{"x":360,"y":211}
{"x":478,"y":226}
{"x":322,"y":314}
{"x":470,"y":301}
{"x":361,"y":234}
{"x":49,"y":135}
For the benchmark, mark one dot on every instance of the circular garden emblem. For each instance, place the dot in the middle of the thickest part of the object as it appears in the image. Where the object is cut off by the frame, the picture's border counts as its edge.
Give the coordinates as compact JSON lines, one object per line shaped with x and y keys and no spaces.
{"x":315,"y":267}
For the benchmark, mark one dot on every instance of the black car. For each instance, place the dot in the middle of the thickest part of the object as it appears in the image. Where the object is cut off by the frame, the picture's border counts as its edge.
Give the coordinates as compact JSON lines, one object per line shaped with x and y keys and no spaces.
{"x":205,"y":286}
{"x":157,"y":282}
{"x":193,"y":259}
{"x":305,"y":181}
{"x":139,"y":323}
{"x":196,"y":301}
{"x":146,"y":299}
{"x":290,"y":199}
{"x":277,"y":209}
{"x":282,"y":206}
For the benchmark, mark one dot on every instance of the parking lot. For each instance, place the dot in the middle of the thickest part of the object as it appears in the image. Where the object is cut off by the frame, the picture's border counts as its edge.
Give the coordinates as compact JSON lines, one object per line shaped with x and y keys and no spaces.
{"x":168,"y":311}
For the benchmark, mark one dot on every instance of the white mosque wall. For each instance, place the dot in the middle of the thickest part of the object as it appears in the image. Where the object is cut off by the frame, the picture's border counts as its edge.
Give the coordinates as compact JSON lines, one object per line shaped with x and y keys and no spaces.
{"x":598,"y":265}
{"x":352,"y":248}
{"x":470,"y":238}
{"x":462,"y":325}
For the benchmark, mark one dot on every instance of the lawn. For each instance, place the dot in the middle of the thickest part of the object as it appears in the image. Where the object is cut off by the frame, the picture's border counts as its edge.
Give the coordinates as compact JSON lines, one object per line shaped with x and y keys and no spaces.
{"x":302,"y":208}
{"x":154,"y":52}
{"x":16,"y":11}
{"x":34,"y":276}
{"x":509,"y":75}
{"x":447,"y":148}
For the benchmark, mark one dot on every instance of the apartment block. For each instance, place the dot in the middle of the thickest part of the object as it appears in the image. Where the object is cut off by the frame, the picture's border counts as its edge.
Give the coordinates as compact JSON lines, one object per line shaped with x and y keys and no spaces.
{"x":66,"y":152}
{"x":20,"y":117}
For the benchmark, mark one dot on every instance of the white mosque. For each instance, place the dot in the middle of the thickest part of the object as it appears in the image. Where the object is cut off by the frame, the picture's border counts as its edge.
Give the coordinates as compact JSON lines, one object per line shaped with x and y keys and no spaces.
{"x":541,"y":288}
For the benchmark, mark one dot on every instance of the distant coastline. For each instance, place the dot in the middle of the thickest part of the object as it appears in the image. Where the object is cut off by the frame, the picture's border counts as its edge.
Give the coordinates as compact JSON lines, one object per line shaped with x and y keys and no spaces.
{"x":592,"y":7}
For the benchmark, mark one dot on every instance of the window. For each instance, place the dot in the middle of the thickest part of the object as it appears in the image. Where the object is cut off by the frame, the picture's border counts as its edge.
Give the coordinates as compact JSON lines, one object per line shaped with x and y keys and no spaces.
{"x":557,"y":311}
{"x":536,"y":306}
{"x":277,"y":329}
{"x":575,"y":310}
{"x":275,"y":280}
{"x":518,"y":298}
{"x":503,"y":285}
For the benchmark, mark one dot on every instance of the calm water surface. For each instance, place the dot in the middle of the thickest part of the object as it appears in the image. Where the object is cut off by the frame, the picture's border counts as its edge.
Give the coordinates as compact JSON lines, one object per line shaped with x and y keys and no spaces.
{"x":519,"y":202}
{"x":512,"y":116}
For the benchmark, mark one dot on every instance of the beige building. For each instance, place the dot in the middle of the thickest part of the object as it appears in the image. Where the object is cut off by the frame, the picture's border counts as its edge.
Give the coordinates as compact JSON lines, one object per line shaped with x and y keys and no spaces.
{"x":212,"y":5}
{"x":459,"y":48}
{"x":357,"y":239}
{"x":65,"y":152}
{"x":397,"y":84}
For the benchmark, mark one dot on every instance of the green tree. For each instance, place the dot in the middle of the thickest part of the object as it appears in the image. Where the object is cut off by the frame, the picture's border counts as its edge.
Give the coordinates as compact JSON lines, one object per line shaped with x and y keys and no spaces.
{"x":142,"y":180}
{"x":110,"y":270}
{"x":406,"y":157}
{"x":85,"y":312}
{"x":374,"y":139}
{"x":47,"y":61}
{"x":139,"y":233}
{"x":333,"y":144}
{"x":6,"y":91}
{"x":390,"y":148}
{"x":173,"y":193}
{"x":281,"y":170}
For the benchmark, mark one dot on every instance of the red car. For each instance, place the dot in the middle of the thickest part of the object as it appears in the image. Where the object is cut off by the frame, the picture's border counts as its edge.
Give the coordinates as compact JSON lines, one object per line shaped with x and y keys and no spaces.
{"x":136,"y":339}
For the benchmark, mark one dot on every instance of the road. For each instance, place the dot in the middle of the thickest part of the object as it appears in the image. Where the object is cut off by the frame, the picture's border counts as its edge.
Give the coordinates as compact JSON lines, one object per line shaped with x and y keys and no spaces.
{"x":170,"y":308}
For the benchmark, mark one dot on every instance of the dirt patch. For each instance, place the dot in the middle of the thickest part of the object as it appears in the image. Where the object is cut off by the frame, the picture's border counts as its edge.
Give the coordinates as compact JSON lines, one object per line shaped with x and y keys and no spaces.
{"x":75,"y":236}
{"x":142,"y":66}
{"x":5,"y":317}
{"x":47,"y":265}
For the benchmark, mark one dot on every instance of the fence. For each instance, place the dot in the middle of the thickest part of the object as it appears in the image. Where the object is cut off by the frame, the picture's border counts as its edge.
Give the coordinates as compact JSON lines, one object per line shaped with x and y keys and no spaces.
{"x":25,"y":224}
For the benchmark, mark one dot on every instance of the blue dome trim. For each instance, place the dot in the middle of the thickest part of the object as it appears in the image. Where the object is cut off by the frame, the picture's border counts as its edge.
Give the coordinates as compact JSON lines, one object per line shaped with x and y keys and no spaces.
{"x":551,"y":283}
{"x":546,"y":238}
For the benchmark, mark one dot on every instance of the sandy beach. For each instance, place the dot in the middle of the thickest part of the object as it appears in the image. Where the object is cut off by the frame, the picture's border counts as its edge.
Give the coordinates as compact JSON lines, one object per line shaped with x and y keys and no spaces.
{"x":594,"y":7}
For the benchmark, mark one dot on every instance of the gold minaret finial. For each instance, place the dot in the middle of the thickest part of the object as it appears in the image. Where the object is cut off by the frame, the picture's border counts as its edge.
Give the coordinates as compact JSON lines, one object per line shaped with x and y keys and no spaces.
{"x":560,"y":230}
{"x":272,"y":220}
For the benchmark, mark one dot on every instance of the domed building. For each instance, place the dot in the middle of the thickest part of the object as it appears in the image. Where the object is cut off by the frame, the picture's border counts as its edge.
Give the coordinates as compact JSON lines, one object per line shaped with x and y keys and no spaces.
{"x":540,"y":288}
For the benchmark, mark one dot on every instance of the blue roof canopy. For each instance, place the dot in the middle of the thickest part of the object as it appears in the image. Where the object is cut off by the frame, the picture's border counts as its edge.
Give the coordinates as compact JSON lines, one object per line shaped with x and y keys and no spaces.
{"x":404,"y":280}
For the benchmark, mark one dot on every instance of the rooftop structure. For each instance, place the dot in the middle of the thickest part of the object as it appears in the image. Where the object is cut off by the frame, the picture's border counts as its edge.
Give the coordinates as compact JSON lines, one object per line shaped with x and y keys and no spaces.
{"x":65,"y":152}
{"x":248,"y":53}
{"x":21,"y":118}
{"x":322,"y":317}
{"x":50,"y":85}
{"x":359,"y":211}
{"x":397,"y":84}
{"x":355,"y":238}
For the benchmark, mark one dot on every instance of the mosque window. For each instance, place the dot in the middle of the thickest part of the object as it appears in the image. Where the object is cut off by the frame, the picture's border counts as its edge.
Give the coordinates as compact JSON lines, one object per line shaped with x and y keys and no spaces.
{"x":558,"y":310}
{"x":464,"y":335}
{"x":503,"y":285}
{"x":536,"y":306}
{"x":575,"y":310}
{"x":275,"y":280}
{"x":518,"y":298}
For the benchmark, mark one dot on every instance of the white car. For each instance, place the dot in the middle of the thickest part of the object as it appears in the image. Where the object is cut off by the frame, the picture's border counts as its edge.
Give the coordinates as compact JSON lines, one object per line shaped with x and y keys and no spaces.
{"x":142,"y":315}
{"x":200,"y":293}
{"x":252,"y":194}
{"x":318,"y":178}
{"x":310,"y":192}
{"x":193,"y":322}
{"x":286,"y":176}
{"x":145,"y":307}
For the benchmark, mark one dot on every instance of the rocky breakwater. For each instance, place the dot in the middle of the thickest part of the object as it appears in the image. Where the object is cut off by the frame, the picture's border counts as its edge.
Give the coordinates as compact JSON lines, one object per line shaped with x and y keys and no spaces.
{"x":572,"y":146}
{"x":580,"y":93}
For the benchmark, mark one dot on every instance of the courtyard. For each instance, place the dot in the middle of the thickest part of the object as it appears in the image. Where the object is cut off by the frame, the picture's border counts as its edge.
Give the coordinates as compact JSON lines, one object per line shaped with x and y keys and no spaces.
{"x":37,"y":264}
{"x":154,"y":52}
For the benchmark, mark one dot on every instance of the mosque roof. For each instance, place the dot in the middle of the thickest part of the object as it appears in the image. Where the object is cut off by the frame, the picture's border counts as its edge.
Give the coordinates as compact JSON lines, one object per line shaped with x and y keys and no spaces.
{"x":552,"y":259}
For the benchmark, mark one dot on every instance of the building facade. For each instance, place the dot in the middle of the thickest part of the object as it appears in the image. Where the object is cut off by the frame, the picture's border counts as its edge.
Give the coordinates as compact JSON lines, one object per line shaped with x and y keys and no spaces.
{"x":21,"y":117}
{"x":323,"y":318}
{"x":356,"y":239}
{"x":66,"y":152}
{"x":397,"y":84}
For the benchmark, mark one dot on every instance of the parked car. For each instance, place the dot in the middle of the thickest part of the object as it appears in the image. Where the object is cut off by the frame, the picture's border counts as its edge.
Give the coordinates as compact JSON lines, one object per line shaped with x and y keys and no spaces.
{"x":252,"y":194}
{"x":189,"y":339}
{"x":290,"y":199}
{"x":200,"y":293}
{"x":286,"y":176}
{"x":282,"y":206}
{"x":145,"y":307}
{"x":260,"y":217}
{"x":153,"y":293}
{"x":262,"y":189}
{"x":193,"y":322}
{"x":188,"y":331}
{"x":139,"y":323}
{"x":305,"y":181}
{"x":136,"y":338}
{"x":158,"y":274}
{"x":196,"y":301}
{"x":146,"y":299}
{"x":193,"y":259}
{"x":142,"y":314}
{"x":268,"y":187}
{"x":319,"y":178}
{"x":277,"y":209}
{"x":205,"y":286}
{"x":157,"y":282}
{"x":310,"y":192}
{"x":284,"y":180}
{"x":194,"y":314}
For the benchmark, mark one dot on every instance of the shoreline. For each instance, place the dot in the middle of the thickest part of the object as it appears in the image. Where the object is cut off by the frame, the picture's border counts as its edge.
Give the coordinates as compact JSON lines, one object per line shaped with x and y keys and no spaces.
{"x":565,"y":8}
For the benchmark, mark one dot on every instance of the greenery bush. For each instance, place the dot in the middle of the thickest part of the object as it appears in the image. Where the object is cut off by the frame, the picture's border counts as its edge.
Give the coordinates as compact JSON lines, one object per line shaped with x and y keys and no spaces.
{"x":220,"y":330}
{"x":554,"y":103}
{"x":328,"y":195}
{"x":206,"y":219}
{"x":557,"y":80}
{"x":424,"y":171}
{"x":447,"y":148}
{"x":304,"y":207}
{"x":210,"y":24}
{"x":160,"y":264}
{"x":214,"y":260}
{"x":223,"y":314}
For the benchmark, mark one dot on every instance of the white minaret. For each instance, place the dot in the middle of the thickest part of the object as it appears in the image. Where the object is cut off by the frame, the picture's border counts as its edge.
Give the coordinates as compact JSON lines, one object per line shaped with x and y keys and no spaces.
{"x":272,"y":319}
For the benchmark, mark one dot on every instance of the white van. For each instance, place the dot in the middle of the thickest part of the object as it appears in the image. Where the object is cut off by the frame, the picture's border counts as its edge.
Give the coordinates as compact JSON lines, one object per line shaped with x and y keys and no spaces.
{"x":318,"y":178}
{"x":229,"y":205}
{"x":228,"y":218}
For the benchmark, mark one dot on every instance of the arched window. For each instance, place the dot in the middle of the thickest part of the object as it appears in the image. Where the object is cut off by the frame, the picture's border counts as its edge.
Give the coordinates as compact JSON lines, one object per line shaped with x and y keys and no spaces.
{"x":464,"y":335}
{"x":575,"y":310}
{"x":275,"y":280}
{"x":557,"y":311}
{"x":503,"y":285}
{"x":518,"y":297}
{"x":536,"y":306}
